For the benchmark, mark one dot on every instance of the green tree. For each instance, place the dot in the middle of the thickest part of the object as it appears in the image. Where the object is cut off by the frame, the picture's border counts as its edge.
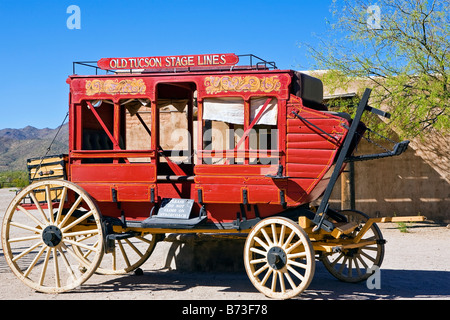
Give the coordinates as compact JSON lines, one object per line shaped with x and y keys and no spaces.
{"x":402,"y":47}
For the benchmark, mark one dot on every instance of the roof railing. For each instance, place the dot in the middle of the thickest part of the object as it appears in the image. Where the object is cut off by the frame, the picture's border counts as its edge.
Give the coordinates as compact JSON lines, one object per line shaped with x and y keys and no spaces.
{"x":253,"y":63}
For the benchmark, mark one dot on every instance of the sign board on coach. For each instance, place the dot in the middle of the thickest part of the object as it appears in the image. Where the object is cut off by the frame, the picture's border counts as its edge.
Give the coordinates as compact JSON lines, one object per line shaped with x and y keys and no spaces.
{"x":175,"y":208}
{"x":202,"y":60}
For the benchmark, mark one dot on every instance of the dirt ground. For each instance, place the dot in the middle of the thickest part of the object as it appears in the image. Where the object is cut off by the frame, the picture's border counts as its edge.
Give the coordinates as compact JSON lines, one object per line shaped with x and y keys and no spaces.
{"x":416,"y":266}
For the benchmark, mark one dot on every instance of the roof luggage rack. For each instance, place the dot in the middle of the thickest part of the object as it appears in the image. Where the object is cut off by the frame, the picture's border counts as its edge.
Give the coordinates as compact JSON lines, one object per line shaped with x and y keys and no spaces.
{"x":246,"y":62}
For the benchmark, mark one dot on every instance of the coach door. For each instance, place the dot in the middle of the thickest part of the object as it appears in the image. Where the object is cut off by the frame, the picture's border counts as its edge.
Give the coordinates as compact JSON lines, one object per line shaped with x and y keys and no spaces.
{"x":238,"y":150}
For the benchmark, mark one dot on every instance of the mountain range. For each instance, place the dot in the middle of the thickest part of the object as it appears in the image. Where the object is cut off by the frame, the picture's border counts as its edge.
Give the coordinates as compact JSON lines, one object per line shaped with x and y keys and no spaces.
{"x":18,"y":145}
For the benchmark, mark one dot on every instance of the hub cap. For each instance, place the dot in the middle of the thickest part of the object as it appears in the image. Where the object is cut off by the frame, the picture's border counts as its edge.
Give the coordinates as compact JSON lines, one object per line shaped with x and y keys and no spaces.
{"x":276,"y":257}
{"x":52,"y":236}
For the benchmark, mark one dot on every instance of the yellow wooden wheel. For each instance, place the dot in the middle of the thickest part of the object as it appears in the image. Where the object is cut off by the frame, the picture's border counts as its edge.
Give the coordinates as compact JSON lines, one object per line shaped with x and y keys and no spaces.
{"x":129,"y":253}
{"x":279,"y":258}
{"x":354,"y":265}
{"x":43,"y":232}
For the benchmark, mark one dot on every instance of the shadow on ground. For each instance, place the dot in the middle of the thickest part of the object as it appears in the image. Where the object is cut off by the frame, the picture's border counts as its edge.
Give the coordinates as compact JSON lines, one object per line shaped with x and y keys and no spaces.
{"x":395,"y":284}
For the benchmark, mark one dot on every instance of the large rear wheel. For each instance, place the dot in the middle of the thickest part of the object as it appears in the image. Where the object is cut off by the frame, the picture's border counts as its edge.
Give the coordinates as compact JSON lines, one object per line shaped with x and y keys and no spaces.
{"x":44,"y":230}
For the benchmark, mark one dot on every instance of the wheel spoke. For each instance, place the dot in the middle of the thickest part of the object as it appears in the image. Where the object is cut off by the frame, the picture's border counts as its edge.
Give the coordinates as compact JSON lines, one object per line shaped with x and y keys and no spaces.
{"x":266,"y":236}
{"x":29,"y":215}
{"x":74,"y":255}
{"x":81,"y":245}
{"x":370,"y":248}
{"x":56,"y":268}
{"x":71,"y":211}
{"x":144,"y":240}
{"x":358,"y":269}
{"x":67,"y":264}
{"x":350,"y":267}
{"x":61,"y":205}
{"x":263,"y":253}
{"x":44,"y":267}
{"x":282,"y":285}
{"x":282,"y":234}
{"x":139,"y":253}
{"x":289,"y":278}
{"x":294,"y":272}
{"x":274,"y":281}
{"x":343,"y":265}
{"x":297,"y":264}
{"x":255,"y":261}
{"x":367,"y":256}
{"x":265,"y":246}
{"x":114,"y":260}
{"x":266,"y":277}
{"x":124,"y":254}
{"x":274,"y":233}
{"x":25,"y":238}
{"x":296,"y":255}
{"x":88,"y":252}
{"x":79,"y":220}
{"x":340,"y":256}
{"x":49,"y":203}
{"x":289,"y":239}
{"x":91,"y":233}
{"x":22,"y":226}
{"x":295,"y":245}
{"x":35,"y":260}
{"x":25,"y":252}
{"x":363,"y":262}
{"x":38,"y":206}
{"x":264,"y":267}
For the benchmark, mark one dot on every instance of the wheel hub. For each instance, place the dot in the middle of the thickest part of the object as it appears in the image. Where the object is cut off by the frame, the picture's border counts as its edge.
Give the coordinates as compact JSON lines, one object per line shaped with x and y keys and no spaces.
{"x":352,"y":252}
{"x":276,"y":257}
{"x":52,"y":236}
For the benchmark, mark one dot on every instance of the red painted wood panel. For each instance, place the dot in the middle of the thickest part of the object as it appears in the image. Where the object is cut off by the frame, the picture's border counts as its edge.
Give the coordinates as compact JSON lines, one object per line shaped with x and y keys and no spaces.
{"x":232,"y":193}
{"x":113,"y":172}
{"x":298,"y":170}
{"x":134,"y":192}
{"x":234,"y":180}
{"x":233,"y":170}
{"x":310,"y":152}
{"x":331,"y":127}
{"x":309,"y":156}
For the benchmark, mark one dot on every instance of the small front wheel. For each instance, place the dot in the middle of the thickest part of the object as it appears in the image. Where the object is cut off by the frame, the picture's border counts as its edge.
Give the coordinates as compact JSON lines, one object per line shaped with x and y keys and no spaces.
{"x":279,"y":258}
{"x":354,"y":265}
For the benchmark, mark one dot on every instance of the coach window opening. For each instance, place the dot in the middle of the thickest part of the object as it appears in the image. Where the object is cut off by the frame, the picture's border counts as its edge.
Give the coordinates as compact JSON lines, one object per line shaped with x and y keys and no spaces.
{"x":138,"y":121}
{"x":110,"y":128}
{"x":238,"y":131}
{"x":97,"y":132}
{"x":174,"y":110}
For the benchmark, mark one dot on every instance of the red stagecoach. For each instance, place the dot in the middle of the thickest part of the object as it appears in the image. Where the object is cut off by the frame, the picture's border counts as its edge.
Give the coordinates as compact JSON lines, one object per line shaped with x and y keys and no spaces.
{"x":194,"y":144}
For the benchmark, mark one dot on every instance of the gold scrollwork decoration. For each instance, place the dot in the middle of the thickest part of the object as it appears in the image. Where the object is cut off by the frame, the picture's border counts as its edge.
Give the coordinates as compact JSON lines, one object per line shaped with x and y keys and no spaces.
{"x":215,"y":84}
{"x":126,"y":86}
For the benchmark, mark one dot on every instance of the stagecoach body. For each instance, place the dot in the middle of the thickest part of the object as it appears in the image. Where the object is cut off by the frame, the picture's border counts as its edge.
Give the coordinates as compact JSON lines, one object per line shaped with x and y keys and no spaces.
{"x":202,"y":136}
{"x":198,"y":144}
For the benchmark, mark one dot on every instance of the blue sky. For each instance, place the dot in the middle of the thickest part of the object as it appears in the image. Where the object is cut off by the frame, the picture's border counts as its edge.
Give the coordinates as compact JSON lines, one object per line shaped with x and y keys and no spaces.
{"x":37,"y":48}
